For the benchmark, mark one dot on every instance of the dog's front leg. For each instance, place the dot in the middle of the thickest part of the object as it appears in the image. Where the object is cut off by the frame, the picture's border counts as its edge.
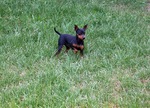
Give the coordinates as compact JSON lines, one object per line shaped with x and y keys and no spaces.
{"x":81,"y":53}
{"x":81,"y":47}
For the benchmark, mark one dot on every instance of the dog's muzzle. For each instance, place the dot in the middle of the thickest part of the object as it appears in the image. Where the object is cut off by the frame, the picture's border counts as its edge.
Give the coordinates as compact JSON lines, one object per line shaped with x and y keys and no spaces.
{"x":83,"y":37}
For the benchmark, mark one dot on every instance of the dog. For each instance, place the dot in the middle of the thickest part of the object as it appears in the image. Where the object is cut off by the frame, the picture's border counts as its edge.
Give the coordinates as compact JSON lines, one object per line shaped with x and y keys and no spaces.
{"x":74,"y":42}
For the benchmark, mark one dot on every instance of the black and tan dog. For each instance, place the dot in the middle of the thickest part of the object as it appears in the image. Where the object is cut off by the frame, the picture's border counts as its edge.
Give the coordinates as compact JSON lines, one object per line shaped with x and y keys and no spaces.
{"x":74,"y":42}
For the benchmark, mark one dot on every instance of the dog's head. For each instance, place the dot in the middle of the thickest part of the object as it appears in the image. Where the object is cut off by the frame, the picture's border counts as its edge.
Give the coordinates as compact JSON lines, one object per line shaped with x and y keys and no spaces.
{"x":80,"y":33}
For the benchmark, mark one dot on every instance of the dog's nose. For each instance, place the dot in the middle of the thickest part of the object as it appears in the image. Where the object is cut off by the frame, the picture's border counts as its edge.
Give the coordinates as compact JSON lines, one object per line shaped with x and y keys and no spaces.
{"x":83,"y":37}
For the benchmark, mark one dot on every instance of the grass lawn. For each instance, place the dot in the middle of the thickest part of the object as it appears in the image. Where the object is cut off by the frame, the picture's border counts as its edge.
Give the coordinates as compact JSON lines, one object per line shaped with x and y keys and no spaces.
{"x":115,"y":70}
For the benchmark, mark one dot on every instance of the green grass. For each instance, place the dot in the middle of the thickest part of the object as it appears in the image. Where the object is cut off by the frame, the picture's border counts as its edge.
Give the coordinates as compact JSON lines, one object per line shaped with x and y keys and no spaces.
{"x":115,"y":71}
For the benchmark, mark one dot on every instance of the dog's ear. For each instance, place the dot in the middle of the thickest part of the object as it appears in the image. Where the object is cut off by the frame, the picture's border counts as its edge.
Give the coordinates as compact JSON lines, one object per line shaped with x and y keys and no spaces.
{"x":85,"y":27}
{"x":76,"y":27}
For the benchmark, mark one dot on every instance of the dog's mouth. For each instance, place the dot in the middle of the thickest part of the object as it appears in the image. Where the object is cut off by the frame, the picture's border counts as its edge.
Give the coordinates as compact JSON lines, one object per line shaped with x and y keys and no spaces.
{"x":82,"y":37}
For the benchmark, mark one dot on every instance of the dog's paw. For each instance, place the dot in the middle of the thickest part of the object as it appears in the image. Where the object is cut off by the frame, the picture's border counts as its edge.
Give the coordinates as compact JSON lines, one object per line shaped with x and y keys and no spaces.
{"x":81,"y":47}
{"x":75,"y":50}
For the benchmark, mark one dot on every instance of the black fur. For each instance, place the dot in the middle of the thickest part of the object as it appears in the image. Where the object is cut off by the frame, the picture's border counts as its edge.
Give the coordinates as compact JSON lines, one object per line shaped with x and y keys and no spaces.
{"x":74,"y":42}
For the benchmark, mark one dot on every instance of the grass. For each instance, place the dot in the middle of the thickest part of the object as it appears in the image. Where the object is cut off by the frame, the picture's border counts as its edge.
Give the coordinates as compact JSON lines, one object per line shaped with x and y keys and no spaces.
{"x":115,"y":71}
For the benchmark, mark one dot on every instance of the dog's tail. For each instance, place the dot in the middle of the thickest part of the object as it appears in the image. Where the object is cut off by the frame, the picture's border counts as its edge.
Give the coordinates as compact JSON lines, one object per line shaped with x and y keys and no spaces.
{"x":57,"y":31}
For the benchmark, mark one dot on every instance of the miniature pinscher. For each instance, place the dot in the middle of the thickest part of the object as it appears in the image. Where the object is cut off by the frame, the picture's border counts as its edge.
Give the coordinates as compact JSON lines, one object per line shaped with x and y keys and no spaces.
{"x":74,"y":42}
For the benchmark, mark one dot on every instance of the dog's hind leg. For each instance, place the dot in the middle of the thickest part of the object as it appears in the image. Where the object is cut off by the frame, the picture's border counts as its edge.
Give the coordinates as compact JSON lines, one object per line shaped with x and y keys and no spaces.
{"x":59,"y":50}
